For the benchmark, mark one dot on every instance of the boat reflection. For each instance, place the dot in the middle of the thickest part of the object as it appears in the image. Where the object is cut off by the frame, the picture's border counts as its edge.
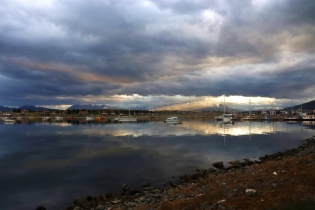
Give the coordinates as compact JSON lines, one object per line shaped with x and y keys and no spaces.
{"x":188,"y":128}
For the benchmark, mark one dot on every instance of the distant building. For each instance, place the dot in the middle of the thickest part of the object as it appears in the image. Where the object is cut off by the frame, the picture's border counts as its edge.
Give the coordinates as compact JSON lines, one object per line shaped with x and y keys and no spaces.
{"x":83,"y":112}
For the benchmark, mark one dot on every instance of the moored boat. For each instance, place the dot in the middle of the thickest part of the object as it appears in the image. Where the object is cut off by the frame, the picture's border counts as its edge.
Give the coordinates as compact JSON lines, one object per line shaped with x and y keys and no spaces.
{"x":89,"y":118}
{"x":59,"y":118}
{"x":173,"y":120}
{"x":226,"y":117}
{"x":45,"y":118}
{"x":267,"y":118}
{"x":127,"y":118}
{"x":99,"y":118}
{"x":9,"y":121}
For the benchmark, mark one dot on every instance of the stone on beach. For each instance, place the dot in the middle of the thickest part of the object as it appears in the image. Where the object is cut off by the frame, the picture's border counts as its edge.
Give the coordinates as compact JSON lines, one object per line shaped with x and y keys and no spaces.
{"x":218,"y":165}
{"x":146,"y":184}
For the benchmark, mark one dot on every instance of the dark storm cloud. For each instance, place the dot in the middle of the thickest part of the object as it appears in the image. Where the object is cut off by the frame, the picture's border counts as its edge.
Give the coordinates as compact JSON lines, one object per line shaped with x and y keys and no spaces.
{"x":103,"y":48}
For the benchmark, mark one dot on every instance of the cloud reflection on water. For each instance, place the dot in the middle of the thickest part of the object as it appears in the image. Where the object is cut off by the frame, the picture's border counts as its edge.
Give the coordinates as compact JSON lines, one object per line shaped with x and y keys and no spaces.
{"x":43,"y":161}
{"x":189,"y":127}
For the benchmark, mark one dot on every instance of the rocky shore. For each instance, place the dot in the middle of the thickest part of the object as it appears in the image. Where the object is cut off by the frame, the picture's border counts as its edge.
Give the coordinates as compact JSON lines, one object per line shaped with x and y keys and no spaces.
{"x":276,"y":179}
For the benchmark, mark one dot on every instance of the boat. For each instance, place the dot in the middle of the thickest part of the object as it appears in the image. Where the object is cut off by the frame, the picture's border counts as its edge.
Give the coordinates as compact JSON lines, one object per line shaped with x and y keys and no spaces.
{"x":59,"y":118}
{"x":225,"y":117}
{"x":173,"y":120}
{"x":227,"y":120}
{"x":9,"y":121}
{"x":99,"y":118}
{"x":89,"y":118}
{"x":249,"y":117}
{"x":126,"y":118}
{"x":301,"y":117}
{"x":45,"y":118}
{"x":267,"y":118}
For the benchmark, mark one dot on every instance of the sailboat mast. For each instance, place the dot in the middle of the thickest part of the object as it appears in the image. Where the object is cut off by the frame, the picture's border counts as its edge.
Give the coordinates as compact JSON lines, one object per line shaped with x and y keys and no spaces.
{"x":129,"y":106}
{"x":224,"y":104}
{"x":249,"y":107}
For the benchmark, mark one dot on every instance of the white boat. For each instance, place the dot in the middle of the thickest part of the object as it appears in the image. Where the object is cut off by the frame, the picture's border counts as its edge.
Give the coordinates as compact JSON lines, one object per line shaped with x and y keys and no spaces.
{"x":173,"y":120}
{"x":9,"y":121}
{"x":45,"y":118}
{"x":127,"y":118}
{"x":301,"y":117}
{"x":225,"y":117}
{"x":227,"y":120}
{"x":249,"y":117}
{"x":59,"y":118}
{"x":89,"y":118}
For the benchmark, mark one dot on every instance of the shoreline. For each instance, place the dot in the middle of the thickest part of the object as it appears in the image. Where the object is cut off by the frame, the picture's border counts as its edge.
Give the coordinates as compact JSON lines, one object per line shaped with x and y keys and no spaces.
{"x":244,"y":184}
{"x":152,"y":117}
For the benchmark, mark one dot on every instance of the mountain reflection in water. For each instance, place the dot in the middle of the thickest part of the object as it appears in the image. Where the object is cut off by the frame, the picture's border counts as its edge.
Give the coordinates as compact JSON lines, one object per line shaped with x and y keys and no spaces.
{"x":49,"y":164}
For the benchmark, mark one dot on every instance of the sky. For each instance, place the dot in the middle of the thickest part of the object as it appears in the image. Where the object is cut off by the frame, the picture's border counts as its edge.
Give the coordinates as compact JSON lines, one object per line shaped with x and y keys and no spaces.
{"x":153,"y":53}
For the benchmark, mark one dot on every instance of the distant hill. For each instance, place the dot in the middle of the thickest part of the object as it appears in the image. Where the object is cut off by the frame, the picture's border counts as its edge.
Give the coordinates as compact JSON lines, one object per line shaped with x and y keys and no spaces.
{"x":209,"y":108}
{"x":90,"y":107}
{"x":25,"y":107}
{"x":217,"y":108}
{"x":34,"y":108}
{"x":139,"y":108}
{"x":306,"y":106}
{"x":6,"y":109}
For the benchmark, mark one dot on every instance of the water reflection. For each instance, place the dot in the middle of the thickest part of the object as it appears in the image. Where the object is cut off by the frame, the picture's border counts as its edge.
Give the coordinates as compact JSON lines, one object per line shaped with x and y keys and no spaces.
{"x":190,"y":128}
{"x":61,"y":160}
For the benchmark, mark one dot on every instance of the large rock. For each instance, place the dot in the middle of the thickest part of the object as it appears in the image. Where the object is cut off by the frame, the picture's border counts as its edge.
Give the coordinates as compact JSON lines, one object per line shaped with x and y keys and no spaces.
{"x":218,"y":165}
{"x":125,"y":188}
{"x":79,"y":200}
{"x":89,"y":198}
{"x":211,"y":170}
{"x":146,"y":184}
{"x":133,"y":191}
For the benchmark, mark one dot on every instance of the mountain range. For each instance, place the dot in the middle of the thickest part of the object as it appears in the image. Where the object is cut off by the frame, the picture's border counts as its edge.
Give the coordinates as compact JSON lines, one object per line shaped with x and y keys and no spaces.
{"x":97,"y":107}
{"x":89,"y":107}
{"x":310,"y":106}
{"x":305,"y":106}
{"x":73,"y":107}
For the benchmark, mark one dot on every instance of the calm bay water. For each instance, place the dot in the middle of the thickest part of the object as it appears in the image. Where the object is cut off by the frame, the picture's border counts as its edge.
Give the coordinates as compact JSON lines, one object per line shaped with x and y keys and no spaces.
{"x":50,"y":164}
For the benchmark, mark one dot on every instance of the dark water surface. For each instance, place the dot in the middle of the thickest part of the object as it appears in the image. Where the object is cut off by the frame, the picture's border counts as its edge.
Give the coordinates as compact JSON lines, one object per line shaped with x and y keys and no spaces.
{"x":50,"y":164}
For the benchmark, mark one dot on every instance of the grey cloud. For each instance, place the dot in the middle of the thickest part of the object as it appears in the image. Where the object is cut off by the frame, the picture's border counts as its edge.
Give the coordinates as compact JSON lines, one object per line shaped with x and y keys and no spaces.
{"x":186,"y":6}
{"x":112,"y":39}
